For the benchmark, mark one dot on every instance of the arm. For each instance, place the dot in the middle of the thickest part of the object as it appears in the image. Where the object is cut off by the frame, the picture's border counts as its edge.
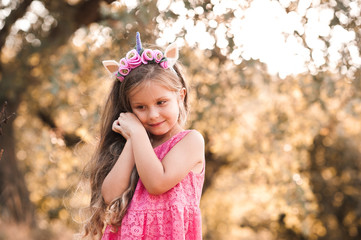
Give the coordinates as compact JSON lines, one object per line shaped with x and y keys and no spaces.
{"x":117,"y":180}
{"x":160,"y":176}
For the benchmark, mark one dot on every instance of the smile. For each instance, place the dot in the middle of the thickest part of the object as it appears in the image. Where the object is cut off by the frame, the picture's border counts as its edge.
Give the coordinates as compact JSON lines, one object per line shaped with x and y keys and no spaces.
{"x":155,"y":124}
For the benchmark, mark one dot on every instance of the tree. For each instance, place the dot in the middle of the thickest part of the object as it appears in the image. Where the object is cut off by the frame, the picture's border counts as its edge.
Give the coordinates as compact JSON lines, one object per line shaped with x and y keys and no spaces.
{"x":55,"y":22}
{"x":265,"y":134}
{"x":30,"y":48}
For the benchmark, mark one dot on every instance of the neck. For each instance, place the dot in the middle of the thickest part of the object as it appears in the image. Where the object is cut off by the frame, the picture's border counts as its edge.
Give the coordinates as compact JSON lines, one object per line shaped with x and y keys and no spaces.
{"x":157,"y":140}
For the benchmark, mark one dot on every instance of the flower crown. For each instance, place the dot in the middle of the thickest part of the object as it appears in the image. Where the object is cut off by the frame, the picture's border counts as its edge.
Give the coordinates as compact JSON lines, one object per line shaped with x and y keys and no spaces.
{"x":138,"y":56}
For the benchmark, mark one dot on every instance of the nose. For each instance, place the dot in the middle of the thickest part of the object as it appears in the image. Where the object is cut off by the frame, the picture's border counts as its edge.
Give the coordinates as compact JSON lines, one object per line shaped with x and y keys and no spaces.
{"x":153,"y":113}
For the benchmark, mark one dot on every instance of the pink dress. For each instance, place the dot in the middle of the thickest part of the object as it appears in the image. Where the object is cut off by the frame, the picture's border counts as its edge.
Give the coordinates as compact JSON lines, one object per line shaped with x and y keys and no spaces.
{"x":173,"y":215}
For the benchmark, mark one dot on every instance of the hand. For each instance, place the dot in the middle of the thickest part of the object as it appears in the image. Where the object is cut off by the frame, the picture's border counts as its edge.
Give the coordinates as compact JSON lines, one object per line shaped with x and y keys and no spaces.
{"x":126,"y":124}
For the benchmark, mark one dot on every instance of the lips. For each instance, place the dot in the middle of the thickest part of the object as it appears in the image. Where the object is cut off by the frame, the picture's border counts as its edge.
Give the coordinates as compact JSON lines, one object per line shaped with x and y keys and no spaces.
{"x":155,"y":124}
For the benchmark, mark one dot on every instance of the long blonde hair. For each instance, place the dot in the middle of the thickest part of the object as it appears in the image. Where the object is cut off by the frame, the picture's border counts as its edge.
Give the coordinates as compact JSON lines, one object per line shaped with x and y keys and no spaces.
{"x":111,"y":144}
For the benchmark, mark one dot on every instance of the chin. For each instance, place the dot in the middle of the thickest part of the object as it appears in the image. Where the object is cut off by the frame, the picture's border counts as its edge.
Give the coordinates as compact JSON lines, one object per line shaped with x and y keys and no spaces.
{"x":158,"y":132}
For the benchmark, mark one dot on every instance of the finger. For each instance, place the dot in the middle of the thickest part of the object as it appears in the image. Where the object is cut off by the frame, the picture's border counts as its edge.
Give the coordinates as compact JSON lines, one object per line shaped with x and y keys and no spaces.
{"x":116,"y":127}
{"x":122,"y":114}
{"x":115,"y":123}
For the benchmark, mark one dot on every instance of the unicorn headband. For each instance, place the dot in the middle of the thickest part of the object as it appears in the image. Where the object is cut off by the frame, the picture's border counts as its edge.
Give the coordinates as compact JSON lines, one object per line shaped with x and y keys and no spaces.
{"x":138,"y":56}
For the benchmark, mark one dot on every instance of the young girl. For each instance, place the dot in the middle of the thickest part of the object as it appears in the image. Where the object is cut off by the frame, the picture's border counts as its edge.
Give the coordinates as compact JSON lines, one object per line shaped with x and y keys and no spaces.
{"x":148,"y":172}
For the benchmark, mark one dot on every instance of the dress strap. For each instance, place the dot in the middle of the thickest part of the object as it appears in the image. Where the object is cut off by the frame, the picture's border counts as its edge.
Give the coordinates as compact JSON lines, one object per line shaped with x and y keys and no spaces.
{"x":165,"y":147}
{"x":179,"y":136}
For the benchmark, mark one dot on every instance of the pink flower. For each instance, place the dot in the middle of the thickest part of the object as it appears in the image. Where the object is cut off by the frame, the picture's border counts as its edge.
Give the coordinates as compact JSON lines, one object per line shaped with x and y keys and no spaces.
{"x":164,"y":64}
{"x":158,"y":55}
{"x":123,"y":63}
{"x":133,"y":59}
{"x":147,"y":55}
{"x":124,"y":71}
{"x":120,"y":78}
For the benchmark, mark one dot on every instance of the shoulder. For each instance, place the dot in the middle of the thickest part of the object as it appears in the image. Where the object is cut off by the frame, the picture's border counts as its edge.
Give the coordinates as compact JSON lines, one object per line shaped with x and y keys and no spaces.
{"x":192,"y":140}
{"x":188,"y":151}
{"x":194,"y":136}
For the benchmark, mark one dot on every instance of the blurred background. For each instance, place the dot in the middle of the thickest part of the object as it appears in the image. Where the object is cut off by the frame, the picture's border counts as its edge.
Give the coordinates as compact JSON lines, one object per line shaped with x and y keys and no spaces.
{"x":275,"y":90}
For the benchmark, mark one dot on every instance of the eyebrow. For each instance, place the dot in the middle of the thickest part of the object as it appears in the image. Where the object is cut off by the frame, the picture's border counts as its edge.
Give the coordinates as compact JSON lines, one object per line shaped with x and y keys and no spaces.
{"x":157,"y":100}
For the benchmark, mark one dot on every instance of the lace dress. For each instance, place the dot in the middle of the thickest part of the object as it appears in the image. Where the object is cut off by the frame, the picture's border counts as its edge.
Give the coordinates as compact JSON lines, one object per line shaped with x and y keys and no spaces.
{"x":174,"y":214}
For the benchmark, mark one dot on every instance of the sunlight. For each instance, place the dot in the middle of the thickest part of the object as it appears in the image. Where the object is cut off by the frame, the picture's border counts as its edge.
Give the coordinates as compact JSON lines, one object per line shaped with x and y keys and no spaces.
{"x":271,"y":38}
{"x":23,"y":25}
{"x":163,"y":5}
{"x":130,"y":4}
{"x":5,"y":12}
{"x":5,"y":2}
{"x":38,"y":8}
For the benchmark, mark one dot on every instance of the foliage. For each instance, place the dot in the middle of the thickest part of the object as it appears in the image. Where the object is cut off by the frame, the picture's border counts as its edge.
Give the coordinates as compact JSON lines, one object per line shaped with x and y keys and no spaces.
{"x":283,"y":156}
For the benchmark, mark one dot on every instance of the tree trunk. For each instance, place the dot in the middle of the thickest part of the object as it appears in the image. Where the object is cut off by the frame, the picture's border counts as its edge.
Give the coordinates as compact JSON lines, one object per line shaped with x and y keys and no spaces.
{"x":14,"y":195}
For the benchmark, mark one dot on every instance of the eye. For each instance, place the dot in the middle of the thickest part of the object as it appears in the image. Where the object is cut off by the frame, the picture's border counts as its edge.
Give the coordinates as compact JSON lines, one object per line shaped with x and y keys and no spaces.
{"x":139,"y":107}
{"x":161,"y":102}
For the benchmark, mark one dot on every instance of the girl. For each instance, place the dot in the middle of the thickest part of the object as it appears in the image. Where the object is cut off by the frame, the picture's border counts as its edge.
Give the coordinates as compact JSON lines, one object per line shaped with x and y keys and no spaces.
{"x":148,"y":172}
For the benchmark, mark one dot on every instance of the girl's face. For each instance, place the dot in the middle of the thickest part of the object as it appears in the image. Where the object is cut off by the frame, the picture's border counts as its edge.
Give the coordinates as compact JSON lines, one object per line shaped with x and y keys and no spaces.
{"x":157,"y":108}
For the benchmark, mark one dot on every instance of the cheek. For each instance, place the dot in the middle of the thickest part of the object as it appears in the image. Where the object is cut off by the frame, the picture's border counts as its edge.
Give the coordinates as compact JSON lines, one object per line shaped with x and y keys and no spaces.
{"x":140,"y":116}
{"x":175,"y":110}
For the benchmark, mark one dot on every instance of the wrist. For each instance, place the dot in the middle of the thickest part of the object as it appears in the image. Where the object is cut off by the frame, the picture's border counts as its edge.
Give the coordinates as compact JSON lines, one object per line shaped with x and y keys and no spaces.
{"x":138,"y":132}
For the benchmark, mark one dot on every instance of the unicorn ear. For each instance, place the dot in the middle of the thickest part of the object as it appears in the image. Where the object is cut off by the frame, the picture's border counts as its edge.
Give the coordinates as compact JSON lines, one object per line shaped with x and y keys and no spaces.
{"x":171,"y":53}
{"x":110,"y":65}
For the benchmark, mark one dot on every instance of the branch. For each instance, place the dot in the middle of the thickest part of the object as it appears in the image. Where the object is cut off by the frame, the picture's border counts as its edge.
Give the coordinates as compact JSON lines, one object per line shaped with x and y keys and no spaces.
{"x":3,"y":117}
{"x":70,"y":139}
{"x":11,"y":19}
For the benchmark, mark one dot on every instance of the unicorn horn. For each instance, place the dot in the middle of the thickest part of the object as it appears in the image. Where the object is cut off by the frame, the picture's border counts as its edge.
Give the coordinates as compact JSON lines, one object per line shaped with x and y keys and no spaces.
{"x":139,"y":43}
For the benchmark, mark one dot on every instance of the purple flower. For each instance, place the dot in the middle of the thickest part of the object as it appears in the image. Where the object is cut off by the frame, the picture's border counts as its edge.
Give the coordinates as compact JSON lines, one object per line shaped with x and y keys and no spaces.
{"x":139,"y":43}
{"x":147,"y":56}
{"x":157,"y":55}
{"x":123,"y":63}
{"x":133,"y":59}
{"x":164,"y":64}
